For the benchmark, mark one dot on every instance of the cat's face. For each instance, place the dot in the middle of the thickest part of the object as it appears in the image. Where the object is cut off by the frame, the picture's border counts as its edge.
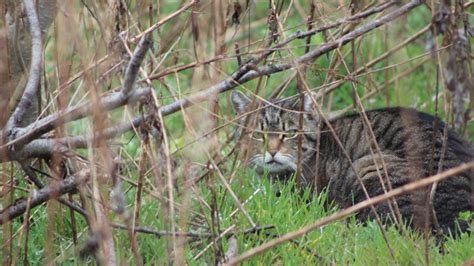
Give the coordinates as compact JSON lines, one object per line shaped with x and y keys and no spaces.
{"x":272,"y":132}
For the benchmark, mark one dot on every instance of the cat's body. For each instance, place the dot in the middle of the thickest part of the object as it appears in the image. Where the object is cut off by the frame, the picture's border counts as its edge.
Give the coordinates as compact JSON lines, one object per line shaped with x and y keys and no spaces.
{"x":404,"y":150}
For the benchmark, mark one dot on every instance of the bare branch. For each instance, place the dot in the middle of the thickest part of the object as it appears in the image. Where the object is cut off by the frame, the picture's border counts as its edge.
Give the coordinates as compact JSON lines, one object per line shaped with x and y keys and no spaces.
{"x":40,"y":148}
{"x":161,"y":233}
{"x":35,"y":68}
{"x":134,"y":64}
{"x":109,"y":102}
{"x":52,"y":191}
{"x":280,"y":45}
{"x":106,"y":103}
{"x":233,"y":249}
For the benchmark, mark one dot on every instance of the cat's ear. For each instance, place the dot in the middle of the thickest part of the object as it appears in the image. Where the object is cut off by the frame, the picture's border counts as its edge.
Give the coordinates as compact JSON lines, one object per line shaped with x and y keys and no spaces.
{"x":239,"y":101}
{"x":308,"y":104}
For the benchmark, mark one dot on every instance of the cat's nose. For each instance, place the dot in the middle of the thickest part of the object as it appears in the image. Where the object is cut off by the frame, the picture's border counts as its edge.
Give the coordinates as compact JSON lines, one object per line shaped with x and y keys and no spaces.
{"x":272,"y":153}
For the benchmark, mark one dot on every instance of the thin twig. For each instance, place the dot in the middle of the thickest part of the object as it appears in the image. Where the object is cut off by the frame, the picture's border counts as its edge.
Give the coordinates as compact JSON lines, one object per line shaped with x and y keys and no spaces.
{"x":237,"y":79}
{"x":164,"y":21}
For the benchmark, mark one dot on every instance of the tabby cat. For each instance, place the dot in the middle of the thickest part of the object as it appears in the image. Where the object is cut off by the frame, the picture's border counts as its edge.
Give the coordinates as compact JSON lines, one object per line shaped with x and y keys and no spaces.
{"x":409,"y":147}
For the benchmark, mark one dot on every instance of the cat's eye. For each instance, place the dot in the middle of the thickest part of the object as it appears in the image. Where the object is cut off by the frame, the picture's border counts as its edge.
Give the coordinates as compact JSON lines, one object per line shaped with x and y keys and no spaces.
{"x":290,"y":134}
{"x":258,"y":135}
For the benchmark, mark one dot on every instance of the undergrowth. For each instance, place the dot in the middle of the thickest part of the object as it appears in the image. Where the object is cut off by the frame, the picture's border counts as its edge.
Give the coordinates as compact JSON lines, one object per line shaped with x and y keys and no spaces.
{"x":343,"y":242}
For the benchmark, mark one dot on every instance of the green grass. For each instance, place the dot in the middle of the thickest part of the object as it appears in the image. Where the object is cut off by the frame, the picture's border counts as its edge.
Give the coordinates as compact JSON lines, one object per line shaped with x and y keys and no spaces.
{"x":342,"y":242}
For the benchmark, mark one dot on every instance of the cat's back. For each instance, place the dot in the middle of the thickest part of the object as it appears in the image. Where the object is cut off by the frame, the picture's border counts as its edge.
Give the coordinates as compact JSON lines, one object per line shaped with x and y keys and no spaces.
{"x":413,"y":145}
{"x":404,"y":132}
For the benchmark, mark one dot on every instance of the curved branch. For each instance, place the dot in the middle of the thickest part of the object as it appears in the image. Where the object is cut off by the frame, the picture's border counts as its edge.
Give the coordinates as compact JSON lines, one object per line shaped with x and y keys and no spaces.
{"x":35,"y":68}
{"x":109,"y":102}
{"x":125,"y":96}
{"x":52,"y":191}
{"x":134,"y":65}
{"x":106,"y":103}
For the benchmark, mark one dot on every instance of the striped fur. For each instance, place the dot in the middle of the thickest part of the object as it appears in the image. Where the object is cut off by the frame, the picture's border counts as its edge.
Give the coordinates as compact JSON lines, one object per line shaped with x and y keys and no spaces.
{"x":404,"y":138}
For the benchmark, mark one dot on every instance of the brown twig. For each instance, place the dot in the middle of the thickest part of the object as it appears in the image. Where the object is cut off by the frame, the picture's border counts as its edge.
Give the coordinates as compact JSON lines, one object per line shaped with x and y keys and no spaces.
{"x":164,"y":21}
{"x":239,"y":78}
